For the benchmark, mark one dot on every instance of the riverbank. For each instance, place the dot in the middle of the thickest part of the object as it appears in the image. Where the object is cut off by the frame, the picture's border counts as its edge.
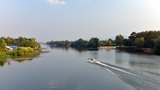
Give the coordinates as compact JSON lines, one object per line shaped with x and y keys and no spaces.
{"x":135,"y":49}
{"x":129,"y":48}
{"x":21,"y":51}
{"x":20,"y":59}
{"x":107,"y":47}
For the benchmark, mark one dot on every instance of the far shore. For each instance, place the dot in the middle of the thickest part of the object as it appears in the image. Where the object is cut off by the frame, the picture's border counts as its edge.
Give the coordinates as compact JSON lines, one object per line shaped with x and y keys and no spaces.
{"x":107,"y":47}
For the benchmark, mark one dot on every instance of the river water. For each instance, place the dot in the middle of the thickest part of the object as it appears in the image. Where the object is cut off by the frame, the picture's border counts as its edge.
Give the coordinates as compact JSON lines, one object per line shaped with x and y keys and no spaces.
{"x":67,"y":69}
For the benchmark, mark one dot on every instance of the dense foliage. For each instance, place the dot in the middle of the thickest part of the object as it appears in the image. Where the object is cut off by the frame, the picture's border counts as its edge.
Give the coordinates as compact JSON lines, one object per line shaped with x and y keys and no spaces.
{"x":21,"y":41}
{"x":108,"y":42}
{"x":80,"y":43}
{"x":59,"y":43}
{"x":119,"y":40}
{"x":2,"y":45}
{"x":144,"y":39}
{"x":93,"y":43}
{"x":26,"y":46}
{"x":21,"y":51}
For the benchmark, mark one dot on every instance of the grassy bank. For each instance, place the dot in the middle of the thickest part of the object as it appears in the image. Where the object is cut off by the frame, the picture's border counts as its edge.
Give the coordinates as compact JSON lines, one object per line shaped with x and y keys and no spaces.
{"x":21,"y":51}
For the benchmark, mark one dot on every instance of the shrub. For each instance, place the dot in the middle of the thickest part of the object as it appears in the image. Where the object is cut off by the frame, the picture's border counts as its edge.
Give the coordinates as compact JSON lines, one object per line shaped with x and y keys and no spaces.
{"x":20,"y":53}
{"x":3,"y":54}
{"x":14,"y":53}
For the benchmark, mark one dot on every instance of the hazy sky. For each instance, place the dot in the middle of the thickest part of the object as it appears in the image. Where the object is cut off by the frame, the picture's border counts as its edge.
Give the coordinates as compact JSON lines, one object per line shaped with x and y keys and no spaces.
{"x":48,"y":20}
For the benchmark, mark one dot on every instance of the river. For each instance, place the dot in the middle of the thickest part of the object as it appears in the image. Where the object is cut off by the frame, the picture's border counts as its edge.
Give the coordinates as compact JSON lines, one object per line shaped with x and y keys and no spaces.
{"x":67,"y":69}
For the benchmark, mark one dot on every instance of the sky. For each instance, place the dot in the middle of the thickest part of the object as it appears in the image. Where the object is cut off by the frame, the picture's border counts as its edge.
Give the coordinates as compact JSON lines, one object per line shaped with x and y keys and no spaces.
{"x":48,"y":20}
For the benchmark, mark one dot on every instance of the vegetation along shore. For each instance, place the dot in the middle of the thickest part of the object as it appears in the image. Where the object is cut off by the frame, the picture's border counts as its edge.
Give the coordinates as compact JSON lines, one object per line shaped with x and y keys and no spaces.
{"x":145,"y":41}
{"x":22,"y":46}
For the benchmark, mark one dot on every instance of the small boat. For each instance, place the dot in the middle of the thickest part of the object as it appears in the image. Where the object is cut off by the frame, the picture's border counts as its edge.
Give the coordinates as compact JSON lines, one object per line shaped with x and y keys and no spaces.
{"x":92,"y":60}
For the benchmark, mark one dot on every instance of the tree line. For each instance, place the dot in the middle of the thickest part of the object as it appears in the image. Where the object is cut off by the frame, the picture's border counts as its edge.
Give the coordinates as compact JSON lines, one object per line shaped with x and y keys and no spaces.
{"x":94,"y":42}
{"x":26,"y":46}
{"x":144,"y":39}
{"x":65,"y":43}
{"x":20,"y":41}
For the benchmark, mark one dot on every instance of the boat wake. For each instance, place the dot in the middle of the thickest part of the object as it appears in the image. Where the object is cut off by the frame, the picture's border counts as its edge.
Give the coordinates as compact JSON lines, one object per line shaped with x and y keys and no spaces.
{"x":140,"y":80}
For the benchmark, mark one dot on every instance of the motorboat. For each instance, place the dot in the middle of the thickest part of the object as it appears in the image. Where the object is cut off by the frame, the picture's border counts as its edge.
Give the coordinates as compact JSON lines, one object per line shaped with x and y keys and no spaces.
{"x":92,"y":60}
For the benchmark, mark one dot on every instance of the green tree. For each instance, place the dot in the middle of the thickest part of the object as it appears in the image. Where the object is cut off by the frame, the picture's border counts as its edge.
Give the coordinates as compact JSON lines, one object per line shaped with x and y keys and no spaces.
{"x":93,"y":42}
{"x":67,"y":43}
{"x":132,"y":38}
{"x":80,"y":43}
{"x":119,"y":40}
{"x":9,"y":41}
{"x":157,"y":49}
{"x":141,"y":34}
{"x":126,"y":42}
{"x":157,"y":45}
{"x":149,"y":37}
{"x":139,"y":42}
{"x":2,"y":45}
{"x":108,"y":43}
{"x":2,"y":61}
{"x":103,"y":43}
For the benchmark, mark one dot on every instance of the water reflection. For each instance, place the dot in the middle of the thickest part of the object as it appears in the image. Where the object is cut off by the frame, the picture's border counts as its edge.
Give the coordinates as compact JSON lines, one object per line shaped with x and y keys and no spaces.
{"x":65,"y":48}
{"x":138,"y":79}
{"x":120,"y":57}
{"x":21,"y":59}
{"x":3,"y":61}
{"x":54,"y":84}
{"x":80,"y":49}
{"x":94,"y":54}
{"x":142,"y":64}
{"x":137,"y":60}
{"x":76,"y":49}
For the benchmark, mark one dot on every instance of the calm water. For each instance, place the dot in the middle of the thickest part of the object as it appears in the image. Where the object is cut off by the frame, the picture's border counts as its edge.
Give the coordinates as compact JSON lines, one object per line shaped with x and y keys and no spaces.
{"x":67,"y":69}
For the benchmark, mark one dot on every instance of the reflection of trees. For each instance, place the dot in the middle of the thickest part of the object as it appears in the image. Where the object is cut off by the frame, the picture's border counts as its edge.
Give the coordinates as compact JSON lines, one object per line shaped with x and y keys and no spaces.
{"x":62,"y":47}
{"x":73,"y":48}
{"x":66,"y":48}
{"x":144,"y":64}
{"x":118,"y":57}
{"x":84,"y":49}
{"x":20,"y":60}
{"x":25,"y":58}
{"x":79,"y":49}
{"x":3,"y":62}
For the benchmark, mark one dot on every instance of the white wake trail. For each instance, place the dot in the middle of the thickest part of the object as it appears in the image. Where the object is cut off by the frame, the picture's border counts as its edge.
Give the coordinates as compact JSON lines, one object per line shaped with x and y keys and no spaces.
{"x":107,"y":66}
{"x":139,"y":80}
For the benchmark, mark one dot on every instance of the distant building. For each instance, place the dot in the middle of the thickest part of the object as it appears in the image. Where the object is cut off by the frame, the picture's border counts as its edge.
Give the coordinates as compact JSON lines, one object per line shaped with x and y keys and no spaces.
{"x":11,"y":47}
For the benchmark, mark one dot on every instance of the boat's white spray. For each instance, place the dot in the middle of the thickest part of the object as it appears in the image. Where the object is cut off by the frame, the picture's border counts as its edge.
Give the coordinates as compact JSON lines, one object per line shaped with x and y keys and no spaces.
{"x":139,"y":80}
{"x":117,"y":69}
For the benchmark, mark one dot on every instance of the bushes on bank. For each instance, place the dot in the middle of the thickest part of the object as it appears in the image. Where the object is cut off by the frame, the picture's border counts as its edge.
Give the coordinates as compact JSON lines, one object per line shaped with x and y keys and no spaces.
{"x":21,"y":51}
{"x":3,"y":54}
